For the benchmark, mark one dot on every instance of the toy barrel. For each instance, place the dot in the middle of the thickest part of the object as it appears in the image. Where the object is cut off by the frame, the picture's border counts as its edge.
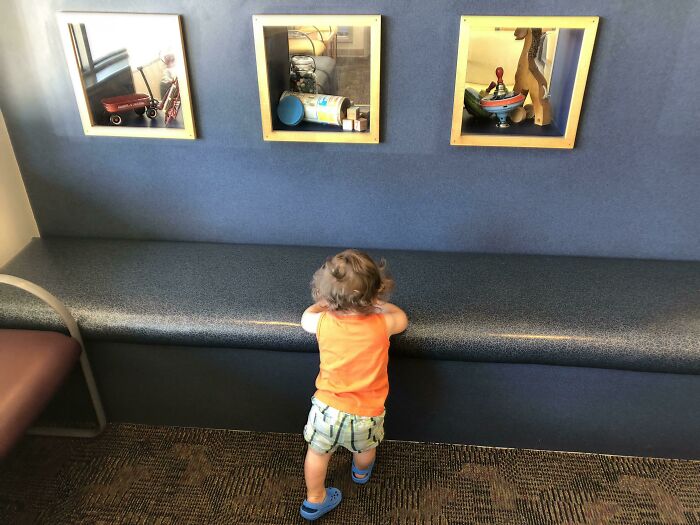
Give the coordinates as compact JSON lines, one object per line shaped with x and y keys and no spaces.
{"x":324,"y":109}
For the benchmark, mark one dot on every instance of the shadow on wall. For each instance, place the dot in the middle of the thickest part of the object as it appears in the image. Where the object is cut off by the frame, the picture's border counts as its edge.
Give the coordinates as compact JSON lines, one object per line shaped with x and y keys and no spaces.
{"x":95,"y":214}
{"x":42,"y":102}
{"x":107,"y":205}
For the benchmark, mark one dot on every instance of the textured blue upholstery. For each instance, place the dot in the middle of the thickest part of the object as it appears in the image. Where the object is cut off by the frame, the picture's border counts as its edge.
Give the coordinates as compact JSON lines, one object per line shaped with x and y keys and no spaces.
{"x":606,"y":313}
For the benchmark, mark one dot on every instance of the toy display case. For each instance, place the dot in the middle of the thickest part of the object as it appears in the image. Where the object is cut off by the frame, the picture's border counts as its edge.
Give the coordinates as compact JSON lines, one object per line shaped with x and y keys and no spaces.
{"x":129,"y":74}
{"x":520,"y":80}
{"x":318,"y":77}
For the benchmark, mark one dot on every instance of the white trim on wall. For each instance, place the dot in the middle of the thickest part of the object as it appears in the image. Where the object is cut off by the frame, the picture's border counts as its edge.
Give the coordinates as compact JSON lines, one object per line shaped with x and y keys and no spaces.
{"x":17,"y":223}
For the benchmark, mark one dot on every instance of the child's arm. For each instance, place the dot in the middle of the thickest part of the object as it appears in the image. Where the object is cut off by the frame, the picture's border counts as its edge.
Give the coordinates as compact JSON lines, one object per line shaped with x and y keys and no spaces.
{"x":310,"y":317}
{"x":394,"y":317}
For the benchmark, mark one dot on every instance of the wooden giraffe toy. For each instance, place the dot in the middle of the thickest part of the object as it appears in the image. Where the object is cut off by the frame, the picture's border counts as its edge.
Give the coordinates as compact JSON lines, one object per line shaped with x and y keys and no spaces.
{"x":529,"y":78}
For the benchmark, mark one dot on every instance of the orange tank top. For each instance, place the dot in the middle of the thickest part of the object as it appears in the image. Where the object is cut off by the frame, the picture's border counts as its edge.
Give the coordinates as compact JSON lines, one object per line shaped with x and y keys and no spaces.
{"x":354,"y":358}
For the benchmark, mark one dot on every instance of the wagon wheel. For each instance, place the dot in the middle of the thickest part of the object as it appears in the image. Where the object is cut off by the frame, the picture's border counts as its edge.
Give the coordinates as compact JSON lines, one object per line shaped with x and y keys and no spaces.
{"x":140,"y":111}
{"x":151,"y":113}
{"x":115,"y":119}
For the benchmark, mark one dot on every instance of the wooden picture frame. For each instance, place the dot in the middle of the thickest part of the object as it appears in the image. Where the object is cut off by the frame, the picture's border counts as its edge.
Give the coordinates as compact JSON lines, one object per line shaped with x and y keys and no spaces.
{"x":110,"y":63}
{"x":483,"y":46}
{"x":273,"y":56}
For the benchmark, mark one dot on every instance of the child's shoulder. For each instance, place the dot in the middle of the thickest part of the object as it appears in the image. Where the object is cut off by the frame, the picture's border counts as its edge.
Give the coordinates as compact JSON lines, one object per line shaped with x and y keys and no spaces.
{"x":311,"y":320}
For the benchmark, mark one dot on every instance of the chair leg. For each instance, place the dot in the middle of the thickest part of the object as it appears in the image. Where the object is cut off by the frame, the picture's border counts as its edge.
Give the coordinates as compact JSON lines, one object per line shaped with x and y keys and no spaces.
{"x":96,"y":404}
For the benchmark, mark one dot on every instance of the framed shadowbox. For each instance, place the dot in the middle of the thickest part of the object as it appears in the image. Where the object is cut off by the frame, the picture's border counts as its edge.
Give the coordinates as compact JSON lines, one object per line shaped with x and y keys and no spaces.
{"x":520,"y":80}
{"x":129,"y":74}
{"x":318,"y":77}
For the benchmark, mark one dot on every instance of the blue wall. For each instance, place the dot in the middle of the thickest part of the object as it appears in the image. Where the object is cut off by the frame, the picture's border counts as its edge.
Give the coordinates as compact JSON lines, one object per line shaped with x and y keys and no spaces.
{"x":630,"y":188}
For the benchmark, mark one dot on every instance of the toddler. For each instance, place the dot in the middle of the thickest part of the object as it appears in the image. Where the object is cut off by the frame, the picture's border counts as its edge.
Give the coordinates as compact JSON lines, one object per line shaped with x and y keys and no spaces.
{"x":169,"y":73}
{"x":352,"y":324}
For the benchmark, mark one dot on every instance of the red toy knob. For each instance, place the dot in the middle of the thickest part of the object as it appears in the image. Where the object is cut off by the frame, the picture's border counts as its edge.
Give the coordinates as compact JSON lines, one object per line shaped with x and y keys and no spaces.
{"x":499,"y":74}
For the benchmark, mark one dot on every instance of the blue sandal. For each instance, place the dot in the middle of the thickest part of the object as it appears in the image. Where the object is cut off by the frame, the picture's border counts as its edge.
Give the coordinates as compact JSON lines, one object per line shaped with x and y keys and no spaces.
{"x":313,"y":511}
{"x":366,"y":473}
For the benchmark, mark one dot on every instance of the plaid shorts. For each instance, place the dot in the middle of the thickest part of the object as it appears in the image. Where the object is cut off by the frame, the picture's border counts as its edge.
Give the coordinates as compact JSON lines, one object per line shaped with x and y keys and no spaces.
{"x":328,"y":428}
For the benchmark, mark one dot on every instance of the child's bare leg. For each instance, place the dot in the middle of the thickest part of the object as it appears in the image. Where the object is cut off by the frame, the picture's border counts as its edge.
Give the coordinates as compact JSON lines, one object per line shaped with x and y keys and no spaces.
{"x":315,"y":468}
{"x":364,"y":459}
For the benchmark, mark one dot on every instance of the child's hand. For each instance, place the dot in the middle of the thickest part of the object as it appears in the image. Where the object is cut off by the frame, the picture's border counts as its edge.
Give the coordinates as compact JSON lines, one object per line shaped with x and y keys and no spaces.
{"x":319,"y":306}
{"x":395,"y":318}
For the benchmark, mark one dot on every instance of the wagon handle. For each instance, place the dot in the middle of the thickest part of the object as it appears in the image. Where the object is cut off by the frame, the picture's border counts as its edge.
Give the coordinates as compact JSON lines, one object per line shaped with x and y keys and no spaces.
{"x":150,"y":93}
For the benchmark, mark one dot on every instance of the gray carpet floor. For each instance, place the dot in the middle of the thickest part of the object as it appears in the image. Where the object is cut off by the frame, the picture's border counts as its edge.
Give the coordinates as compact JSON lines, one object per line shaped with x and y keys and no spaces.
{"x":135,"y":474}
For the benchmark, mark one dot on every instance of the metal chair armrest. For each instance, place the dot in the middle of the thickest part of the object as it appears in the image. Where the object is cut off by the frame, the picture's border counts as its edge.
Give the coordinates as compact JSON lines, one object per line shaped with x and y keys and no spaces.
{"x":74,"y":331}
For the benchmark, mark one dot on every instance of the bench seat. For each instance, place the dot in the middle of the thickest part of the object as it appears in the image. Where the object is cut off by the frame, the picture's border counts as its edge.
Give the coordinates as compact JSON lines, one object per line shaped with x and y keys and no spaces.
{"x":625,"y":314}
{"x":557,"y":353}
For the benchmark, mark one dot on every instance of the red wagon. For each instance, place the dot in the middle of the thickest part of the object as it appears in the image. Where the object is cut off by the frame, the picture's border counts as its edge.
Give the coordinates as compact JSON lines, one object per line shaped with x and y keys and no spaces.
{"x":139,"y":102}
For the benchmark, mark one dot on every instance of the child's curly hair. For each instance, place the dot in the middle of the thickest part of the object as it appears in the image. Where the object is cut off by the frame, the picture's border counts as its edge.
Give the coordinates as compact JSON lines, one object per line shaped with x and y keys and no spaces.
{"x":351,"y":281}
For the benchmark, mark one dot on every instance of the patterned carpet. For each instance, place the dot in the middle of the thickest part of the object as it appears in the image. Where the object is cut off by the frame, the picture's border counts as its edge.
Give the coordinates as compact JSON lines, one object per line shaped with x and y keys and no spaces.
{"x":162,"y":475}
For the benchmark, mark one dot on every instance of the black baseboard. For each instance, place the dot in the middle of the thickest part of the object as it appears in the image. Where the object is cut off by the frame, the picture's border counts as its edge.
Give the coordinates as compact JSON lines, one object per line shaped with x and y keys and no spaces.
{"x":494,"y":404}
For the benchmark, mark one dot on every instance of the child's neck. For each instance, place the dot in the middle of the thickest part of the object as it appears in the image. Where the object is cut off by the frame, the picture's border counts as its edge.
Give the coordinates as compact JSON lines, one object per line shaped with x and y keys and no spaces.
{"x":349,"y":313}
{"x":344,"y":313}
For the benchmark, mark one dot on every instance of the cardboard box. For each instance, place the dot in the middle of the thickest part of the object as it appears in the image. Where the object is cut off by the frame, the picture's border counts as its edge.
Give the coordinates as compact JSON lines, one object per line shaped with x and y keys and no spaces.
{"x":361,"y":124}
{"x":353,"y":112}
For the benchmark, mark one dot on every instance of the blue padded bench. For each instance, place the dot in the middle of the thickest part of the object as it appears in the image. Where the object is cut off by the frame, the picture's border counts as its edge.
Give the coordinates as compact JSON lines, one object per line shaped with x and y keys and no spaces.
{"x":561,"y":353}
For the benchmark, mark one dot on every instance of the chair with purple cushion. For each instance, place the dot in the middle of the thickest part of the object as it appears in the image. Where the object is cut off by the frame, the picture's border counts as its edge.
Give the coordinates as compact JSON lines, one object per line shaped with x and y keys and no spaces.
{"x":33,"y":365}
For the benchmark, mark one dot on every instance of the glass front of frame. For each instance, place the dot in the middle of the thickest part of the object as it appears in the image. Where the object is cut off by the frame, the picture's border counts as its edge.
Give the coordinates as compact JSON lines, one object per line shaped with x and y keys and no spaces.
{"x":520,"y":80}
{"x":318,"y":77}
{"x":129,"y":74}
